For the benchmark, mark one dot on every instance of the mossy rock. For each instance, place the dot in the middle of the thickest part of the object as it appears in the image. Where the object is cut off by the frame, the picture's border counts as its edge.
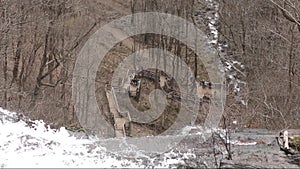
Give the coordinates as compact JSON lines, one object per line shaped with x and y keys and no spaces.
{"x":295,"y":143}
{"x":75,"y":129}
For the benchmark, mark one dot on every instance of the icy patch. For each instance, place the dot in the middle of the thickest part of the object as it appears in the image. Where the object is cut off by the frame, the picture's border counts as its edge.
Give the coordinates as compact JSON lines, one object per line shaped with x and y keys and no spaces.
{"x":243,"y":102}
{"x":239,"y":143}
{"x":236,"y":88}
{"x":172,"y":158}
{"x":212,"y":22}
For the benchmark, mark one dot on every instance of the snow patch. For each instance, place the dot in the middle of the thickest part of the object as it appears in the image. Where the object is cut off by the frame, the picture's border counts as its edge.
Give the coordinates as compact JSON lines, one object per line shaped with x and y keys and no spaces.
{"x":239,"y":143}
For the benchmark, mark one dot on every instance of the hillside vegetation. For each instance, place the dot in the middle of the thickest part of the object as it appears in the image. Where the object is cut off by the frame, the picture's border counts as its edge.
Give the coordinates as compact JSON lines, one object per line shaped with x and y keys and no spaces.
{"x":40,"y":40}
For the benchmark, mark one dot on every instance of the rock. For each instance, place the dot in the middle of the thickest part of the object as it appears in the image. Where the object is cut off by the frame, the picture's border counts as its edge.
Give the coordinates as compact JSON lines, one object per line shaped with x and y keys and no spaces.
{"x":295,"y":143}
{"x":289,"y":141}
{"x":234,"y":164}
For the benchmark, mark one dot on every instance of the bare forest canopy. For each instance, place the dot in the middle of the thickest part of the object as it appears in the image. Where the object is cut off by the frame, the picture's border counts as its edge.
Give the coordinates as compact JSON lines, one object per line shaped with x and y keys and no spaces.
{"x":264,"y":35}
{"x":40,"y":40}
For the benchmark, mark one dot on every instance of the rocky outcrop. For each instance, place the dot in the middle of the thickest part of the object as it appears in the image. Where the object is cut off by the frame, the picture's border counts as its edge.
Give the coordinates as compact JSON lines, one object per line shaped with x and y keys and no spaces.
{"x":289,"y":141}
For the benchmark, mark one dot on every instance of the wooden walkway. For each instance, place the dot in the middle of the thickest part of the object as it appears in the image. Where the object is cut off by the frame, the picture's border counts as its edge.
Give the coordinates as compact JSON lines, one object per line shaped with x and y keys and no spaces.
{"x":119,"y":121}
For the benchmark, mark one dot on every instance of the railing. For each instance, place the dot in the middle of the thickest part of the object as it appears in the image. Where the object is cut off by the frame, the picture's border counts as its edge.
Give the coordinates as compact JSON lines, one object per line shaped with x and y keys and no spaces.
{"x":115,"y":99}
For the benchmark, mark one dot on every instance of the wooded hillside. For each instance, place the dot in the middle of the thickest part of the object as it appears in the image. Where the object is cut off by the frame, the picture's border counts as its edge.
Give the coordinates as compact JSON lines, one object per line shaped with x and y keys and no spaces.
{"x":40,"y":40}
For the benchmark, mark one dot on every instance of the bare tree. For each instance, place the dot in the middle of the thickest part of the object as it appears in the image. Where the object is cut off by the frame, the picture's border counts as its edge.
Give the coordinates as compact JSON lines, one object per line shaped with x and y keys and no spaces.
{"x":262,"y":35}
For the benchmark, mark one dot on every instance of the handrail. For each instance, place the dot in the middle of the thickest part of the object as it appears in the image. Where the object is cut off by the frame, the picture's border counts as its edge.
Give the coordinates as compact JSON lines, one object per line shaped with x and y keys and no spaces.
{"x":115,"y":99}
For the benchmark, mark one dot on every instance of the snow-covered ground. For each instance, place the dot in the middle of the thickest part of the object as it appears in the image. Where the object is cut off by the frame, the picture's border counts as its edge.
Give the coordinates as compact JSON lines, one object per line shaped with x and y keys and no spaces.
{"x":40,"y":146}
{"x":34,"y":146}
{"x":229,"y":65}
{"x":37,"y":145}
